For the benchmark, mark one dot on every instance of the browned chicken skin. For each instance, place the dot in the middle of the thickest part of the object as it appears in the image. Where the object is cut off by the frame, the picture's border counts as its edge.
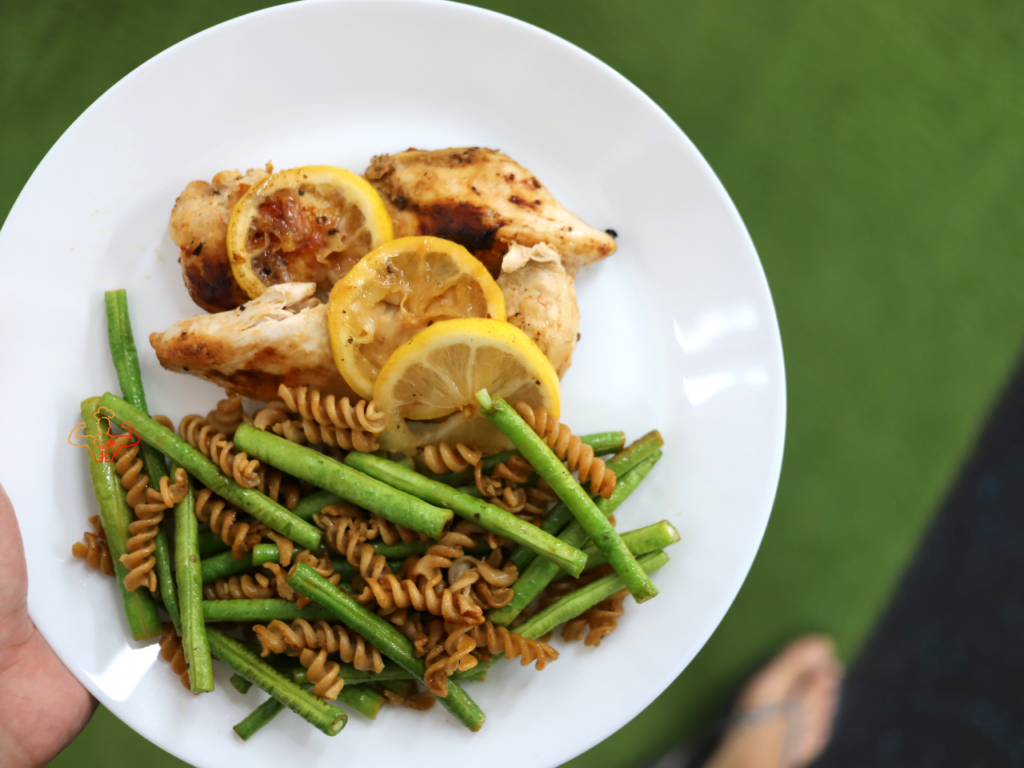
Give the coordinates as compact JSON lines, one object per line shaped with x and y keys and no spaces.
{"x":279,"y":338}
{"x":199,"y":227}
{"x":484,"y":201}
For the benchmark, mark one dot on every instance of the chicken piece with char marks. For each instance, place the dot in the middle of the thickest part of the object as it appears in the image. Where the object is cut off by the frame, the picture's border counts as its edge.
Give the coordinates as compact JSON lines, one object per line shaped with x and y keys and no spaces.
{"x":199,"y":226}
{"x":483,"y":200}
{"x":279,"y":338}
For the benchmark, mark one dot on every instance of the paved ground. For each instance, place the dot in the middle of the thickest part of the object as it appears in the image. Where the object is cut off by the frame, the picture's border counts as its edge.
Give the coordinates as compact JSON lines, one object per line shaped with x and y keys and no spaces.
{"x":873,"y":150}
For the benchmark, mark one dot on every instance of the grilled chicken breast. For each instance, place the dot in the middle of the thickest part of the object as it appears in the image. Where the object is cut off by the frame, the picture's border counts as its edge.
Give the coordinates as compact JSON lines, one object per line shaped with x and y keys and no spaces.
{"x":540,"y":299}
{"x":279,"y":338}
{"x":484,"y":201}
{"x":199,"y":227}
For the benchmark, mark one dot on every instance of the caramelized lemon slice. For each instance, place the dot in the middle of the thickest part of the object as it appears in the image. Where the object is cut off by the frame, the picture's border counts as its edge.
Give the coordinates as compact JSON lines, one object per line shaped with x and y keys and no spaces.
{"x":394,"y":293}
{"x":439,"y":371}
{"x":304,"y":225}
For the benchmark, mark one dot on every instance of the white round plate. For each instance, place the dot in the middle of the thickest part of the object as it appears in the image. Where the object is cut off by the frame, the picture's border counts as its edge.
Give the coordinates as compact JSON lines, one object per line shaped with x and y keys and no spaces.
{"x":678,"y":333}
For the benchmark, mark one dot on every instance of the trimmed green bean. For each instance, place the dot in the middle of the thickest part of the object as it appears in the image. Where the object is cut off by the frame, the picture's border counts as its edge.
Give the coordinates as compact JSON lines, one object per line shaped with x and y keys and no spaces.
{"x":650,"y":538}
{"x":211,"y":543}
{"x":363,"y":699}
{"x":224,"y":565}
{"x":382,"y":636}
{"x":603,"y":443}
{"x":324,"y":472}
{"x":239,"y":683}
{"x":259,"y":717}
{"x":312,"y":504}
{"x":549,"y":467}
{"x":248,"y":500}
{"x":559,"y":515}
{"x":139,"y":608}
{"x":487,"y":516}
{"x":129,"y":376}
{"x":190,"y":589}
{"x":575,"y":603}
{"x":540,"y":573}
{"x":245,"y":662}
{"x":261,"y":611}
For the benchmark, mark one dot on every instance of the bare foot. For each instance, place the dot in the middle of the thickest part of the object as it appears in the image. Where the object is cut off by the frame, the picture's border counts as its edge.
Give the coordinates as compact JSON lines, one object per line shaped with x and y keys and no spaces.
{"x":784,"y":716}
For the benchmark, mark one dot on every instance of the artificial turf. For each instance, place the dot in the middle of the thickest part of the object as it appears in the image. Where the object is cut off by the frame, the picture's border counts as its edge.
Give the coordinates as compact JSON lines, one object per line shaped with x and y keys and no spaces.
{"x":873,"y":150}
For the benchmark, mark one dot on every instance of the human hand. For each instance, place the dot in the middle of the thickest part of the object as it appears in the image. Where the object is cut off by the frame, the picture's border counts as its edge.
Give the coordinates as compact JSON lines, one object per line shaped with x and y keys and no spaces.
{"x":42,"y":706}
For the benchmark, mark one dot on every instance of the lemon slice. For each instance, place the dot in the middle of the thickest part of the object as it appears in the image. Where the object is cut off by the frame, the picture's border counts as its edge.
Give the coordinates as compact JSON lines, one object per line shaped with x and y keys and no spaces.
{"x":394,"y":293}
{"x":439,"y":371}
{"x":304,"y":225}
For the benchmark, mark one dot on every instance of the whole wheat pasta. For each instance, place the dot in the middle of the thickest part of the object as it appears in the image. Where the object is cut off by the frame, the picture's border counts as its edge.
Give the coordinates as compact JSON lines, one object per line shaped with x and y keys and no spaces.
{"x":200,"y":434}
{"x":149,"y":505}
{"x":569,"y":448}
{"x":512,"y":644}
{"x":442,"y":458}
{"x":94,"y":549}
{"x":329,"y":411}
{"x":238,"y":534}
{"x":228,"y":415}
{"x":420,"y":585}
{"x":603,"y":617}
{"x":279,"y":637}
{"x":171,"y":650}
{"x":244,"y":587}
{"x":421,"y":701}
{"x":436,"y":675}
{"x":324,"y":420}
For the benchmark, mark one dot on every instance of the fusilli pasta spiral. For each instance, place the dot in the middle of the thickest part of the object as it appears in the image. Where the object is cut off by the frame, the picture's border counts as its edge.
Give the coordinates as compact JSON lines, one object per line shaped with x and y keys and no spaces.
{"x":442,"y":458}
{"x":224,"y":521}
{"x":171,"y":650}
{"x":199,"y":433}
{"x":149,"y":505}
{"x":312,"y":643}
{"x":94,"y":549}
{"x":228,"y":415}
{"x":244,"y":587}
{"x":569,"y":448}
{"x":325,"y":420}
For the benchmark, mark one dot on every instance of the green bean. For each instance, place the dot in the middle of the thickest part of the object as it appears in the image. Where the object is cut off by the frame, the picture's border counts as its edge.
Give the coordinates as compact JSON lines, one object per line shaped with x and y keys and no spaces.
{"x":259,"y":717}
{"x":190,"y":589}
{"x":487,"y":516}
{"x":540,"y":573}
{"x":575,"y":603}
{"x":261,"y":611}
{"x":603,"y":443}
{"x":239,"y":683}
{"x":139,"y":608}
{"x":362,"y":699}
{"x":223,"y":565}
{"x":211,"y":543}
{"x":247,"y":499}
{"x":559,"y":515}
{"x":312,"y":504}
{"x":548,"y":466}
{"x":246,"y":663}
{"x":641,"y":541}
{"x":324,"y":472}
{"x":129,"y":376}
{"x":382,"y":636}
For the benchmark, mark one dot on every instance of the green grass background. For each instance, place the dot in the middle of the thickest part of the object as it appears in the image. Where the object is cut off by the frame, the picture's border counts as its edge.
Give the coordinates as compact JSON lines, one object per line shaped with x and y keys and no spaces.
{"x":874,"y":150}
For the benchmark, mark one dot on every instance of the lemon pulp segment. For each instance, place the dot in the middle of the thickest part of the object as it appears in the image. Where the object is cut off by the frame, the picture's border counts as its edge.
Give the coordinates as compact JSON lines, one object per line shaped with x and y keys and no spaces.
{"x":394,"y":293}
{"x":309,"y":224}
